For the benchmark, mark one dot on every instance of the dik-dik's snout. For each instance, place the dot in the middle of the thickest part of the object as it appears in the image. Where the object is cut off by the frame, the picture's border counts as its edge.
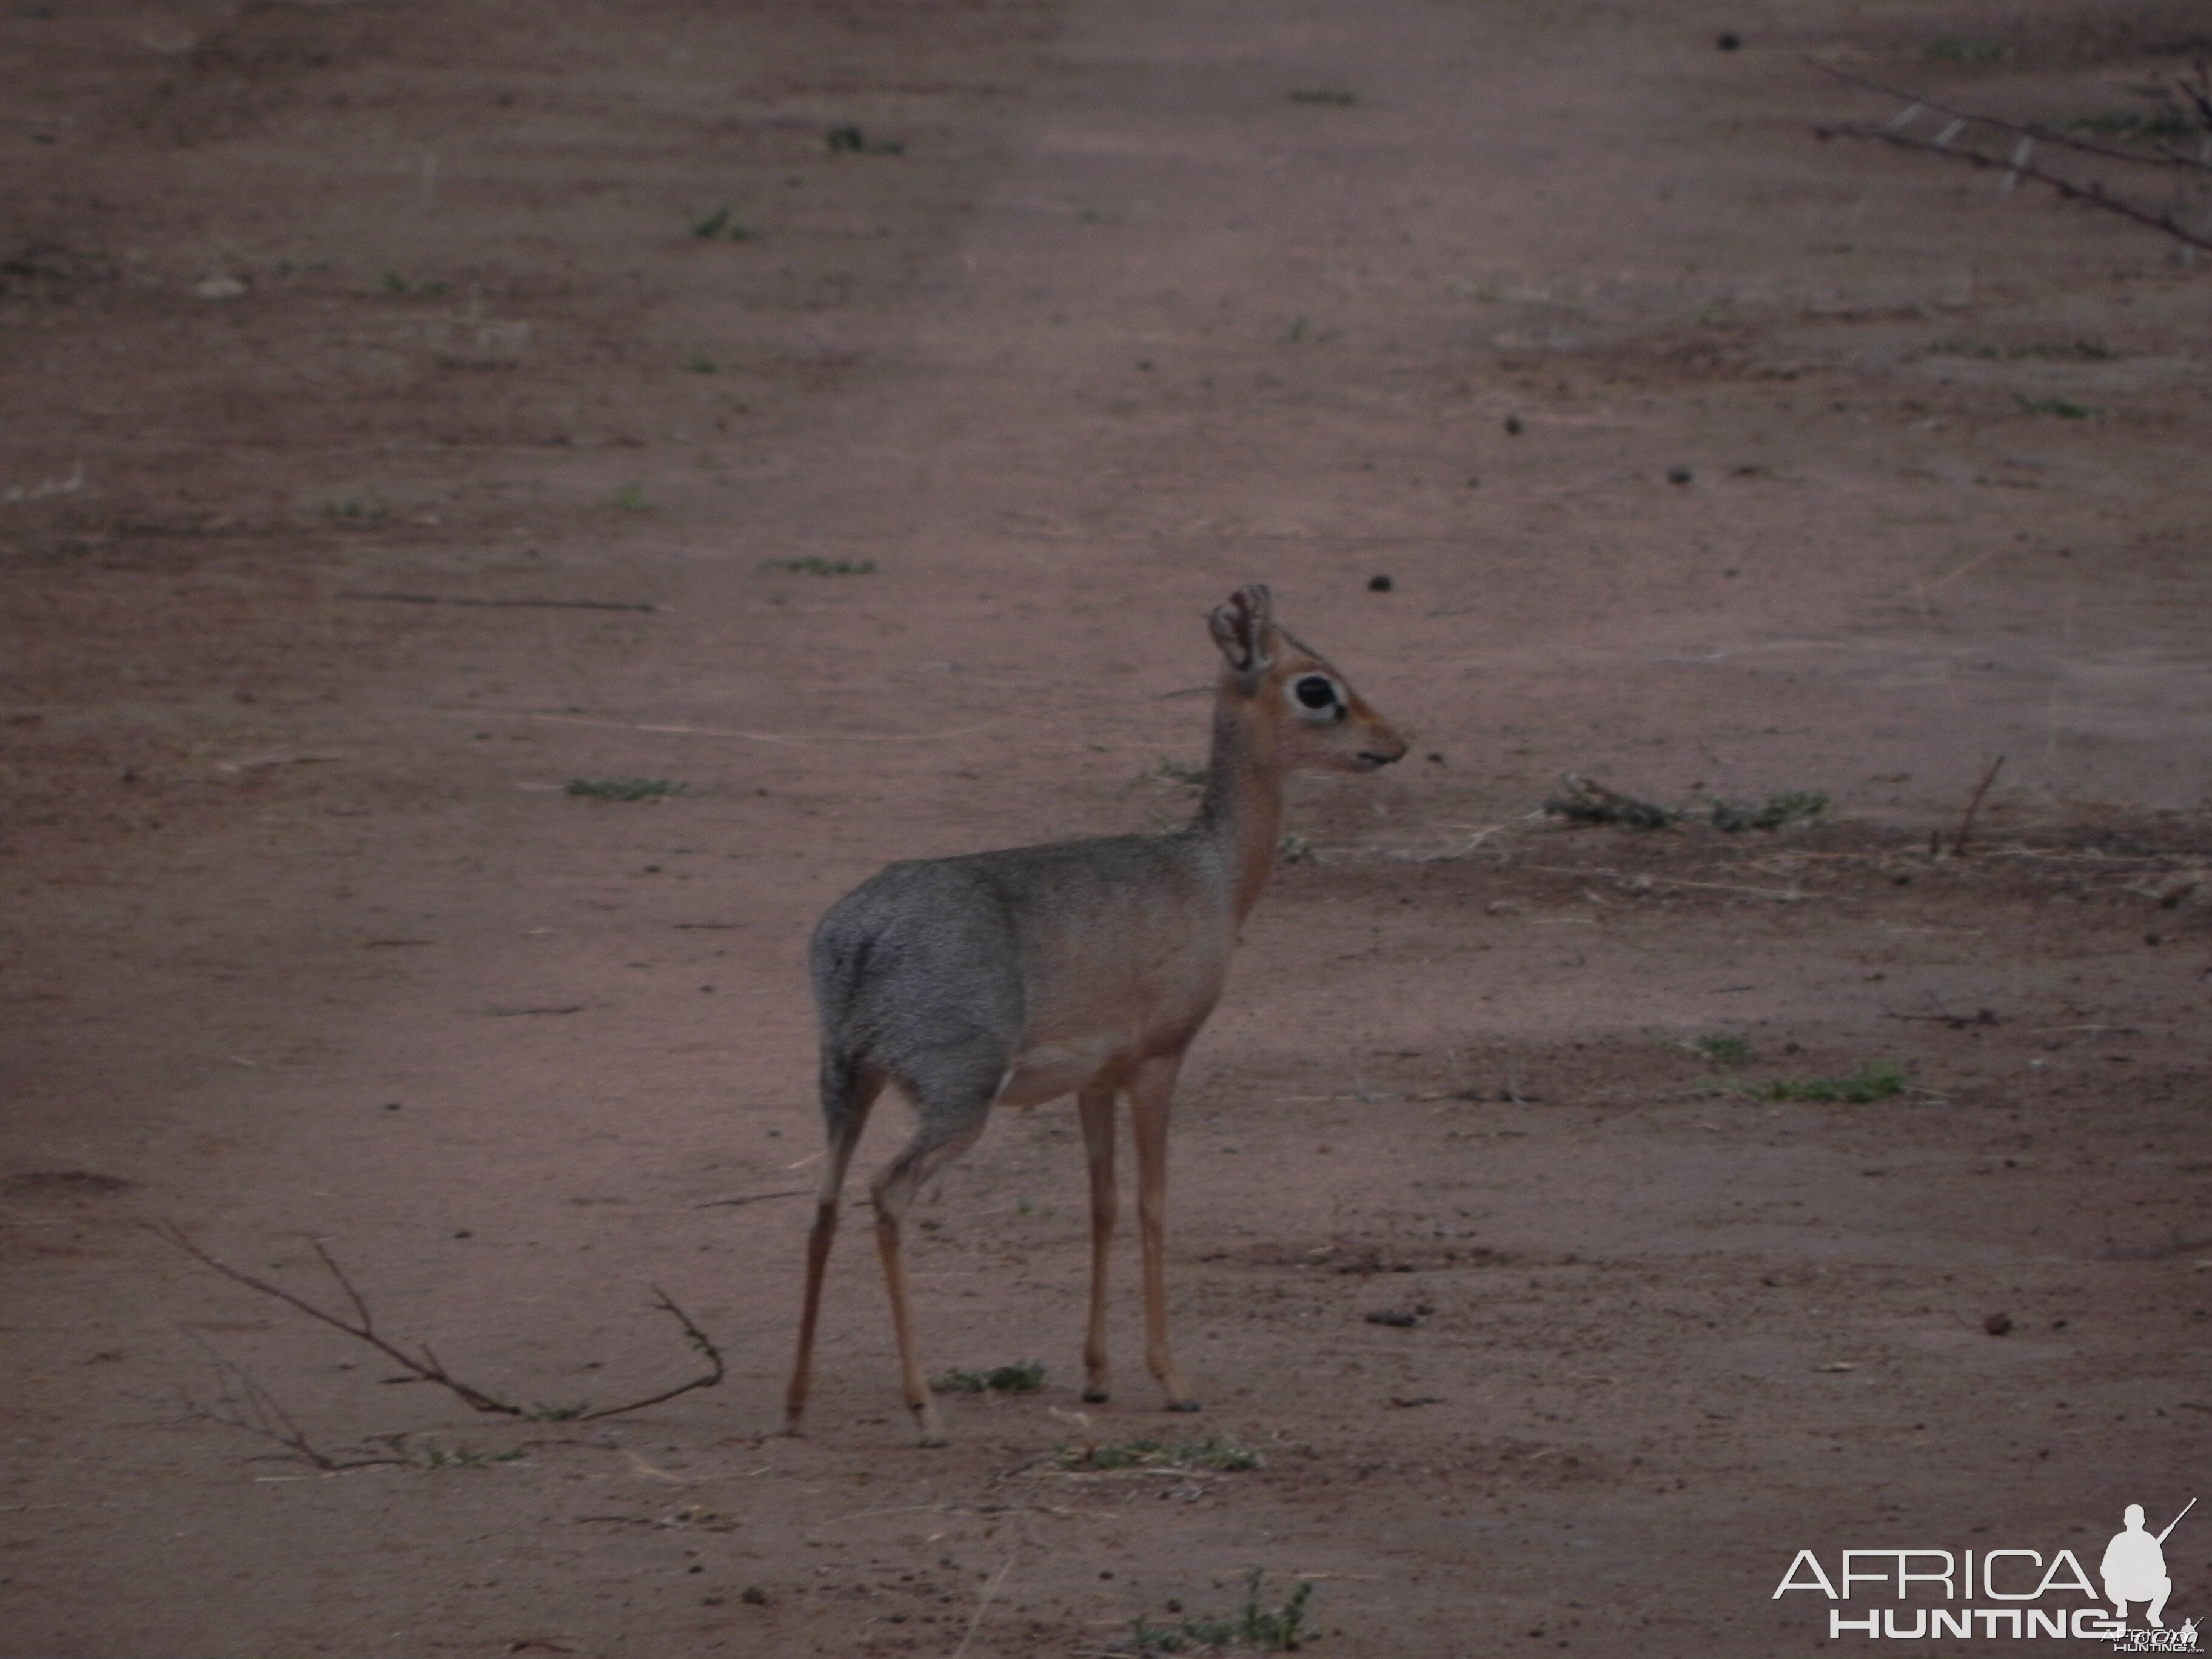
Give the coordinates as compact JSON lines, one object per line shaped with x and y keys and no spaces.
{"x":1380,"y":744}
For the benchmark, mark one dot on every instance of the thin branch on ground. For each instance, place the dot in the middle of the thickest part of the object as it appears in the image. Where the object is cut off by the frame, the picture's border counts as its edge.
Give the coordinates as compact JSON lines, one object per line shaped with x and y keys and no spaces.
{"x":2019,"y":163}
{"x":1974,"y":805}
{"x":2043,"y":135}
{"x":426,"y":1367}
{"x":243,"y":1403}
{"x":752,"y":1197}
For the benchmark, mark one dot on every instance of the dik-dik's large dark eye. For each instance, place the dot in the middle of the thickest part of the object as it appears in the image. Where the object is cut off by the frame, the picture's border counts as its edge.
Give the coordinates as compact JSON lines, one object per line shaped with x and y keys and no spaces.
{"x":1315,"y":691}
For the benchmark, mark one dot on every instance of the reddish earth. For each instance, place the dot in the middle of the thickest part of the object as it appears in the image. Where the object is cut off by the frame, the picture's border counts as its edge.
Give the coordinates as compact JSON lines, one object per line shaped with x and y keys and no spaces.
{"x":1705,"y":459}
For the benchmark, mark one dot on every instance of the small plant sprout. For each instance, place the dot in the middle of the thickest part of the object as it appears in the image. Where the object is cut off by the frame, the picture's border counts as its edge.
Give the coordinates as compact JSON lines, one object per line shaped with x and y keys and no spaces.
{"x":630,"y":497}
{"x":695,"y":364}
{"x":625,"y":788}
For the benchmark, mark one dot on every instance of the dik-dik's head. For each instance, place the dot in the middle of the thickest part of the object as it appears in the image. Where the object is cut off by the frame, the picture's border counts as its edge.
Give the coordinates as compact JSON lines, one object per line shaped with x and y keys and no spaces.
{"x":1288,"y":698}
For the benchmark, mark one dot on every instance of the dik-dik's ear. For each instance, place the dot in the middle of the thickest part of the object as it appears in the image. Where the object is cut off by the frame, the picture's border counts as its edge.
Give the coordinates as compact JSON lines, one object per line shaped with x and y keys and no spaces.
{"x":1241,"y":628}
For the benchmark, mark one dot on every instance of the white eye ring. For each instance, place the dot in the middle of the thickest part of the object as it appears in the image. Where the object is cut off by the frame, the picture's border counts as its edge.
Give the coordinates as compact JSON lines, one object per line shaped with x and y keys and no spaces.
{"x":1317,"y":697}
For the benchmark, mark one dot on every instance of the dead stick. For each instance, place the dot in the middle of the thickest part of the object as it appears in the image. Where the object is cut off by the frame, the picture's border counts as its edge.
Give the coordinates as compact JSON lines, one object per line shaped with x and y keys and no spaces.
{"x":429,"y":1368}
{"x":697,"y":1338}
{"x":752,"y":1197}
{"x":1966,"y":822}
{"x":2040,"y":134}
{"x":2095,"y":195}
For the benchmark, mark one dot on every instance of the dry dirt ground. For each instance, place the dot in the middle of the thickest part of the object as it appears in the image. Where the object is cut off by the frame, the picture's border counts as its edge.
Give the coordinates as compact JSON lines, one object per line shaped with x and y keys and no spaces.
{"x":386,"y":447}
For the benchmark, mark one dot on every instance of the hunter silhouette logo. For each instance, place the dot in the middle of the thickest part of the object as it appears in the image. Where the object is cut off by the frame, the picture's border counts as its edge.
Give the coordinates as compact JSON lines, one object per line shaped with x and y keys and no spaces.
{"x":2020,"y":1594}
{"x":2133,"y":1570}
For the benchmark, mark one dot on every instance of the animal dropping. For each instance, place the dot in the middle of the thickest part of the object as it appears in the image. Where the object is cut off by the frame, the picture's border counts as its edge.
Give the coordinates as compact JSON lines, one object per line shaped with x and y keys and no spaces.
{"x":1012,"y":978}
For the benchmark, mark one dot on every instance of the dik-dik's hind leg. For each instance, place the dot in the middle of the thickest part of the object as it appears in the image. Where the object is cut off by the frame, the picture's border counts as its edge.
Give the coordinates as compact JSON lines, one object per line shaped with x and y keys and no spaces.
{"x":1152,"y":1095}
{"x":935,"y":1144}
{"x":847,"y":1115}
{"x":1097,"y":1107}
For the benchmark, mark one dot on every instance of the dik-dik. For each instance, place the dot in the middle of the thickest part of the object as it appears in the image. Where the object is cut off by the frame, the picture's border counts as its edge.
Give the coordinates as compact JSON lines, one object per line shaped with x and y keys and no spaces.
{"x":1082,"y":967}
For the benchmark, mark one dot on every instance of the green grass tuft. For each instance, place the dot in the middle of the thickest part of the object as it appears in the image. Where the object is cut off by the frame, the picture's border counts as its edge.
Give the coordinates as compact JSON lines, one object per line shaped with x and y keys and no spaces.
{"x":2128,"y":123}
{"x":849,"y":140}
{"x":1585,"y":801}
{"x":721,"y":226}
{"x":1775,"y":812}
{"x":1720,"y":1047}
{"x":1025,"y":1376}
{"x":464,"y":1457}
{"x":1877,"y":1080}
{"x":625,"y":788}
{"x":2063,"y":408}
{"x":812,"y":566}
{"x":1253,"y":1626}
{"x":1145,"y":1453}
{"x":1965,"y":52}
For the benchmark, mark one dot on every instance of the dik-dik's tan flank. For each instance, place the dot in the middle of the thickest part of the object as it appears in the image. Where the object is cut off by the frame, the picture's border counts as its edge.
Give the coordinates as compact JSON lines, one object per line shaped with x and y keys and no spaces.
{"x":1082,"y":968}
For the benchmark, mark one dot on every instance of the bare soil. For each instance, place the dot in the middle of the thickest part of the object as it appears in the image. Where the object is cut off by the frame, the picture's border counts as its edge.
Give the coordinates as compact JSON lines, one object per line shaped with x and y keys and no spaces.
{"x":387,"y":447}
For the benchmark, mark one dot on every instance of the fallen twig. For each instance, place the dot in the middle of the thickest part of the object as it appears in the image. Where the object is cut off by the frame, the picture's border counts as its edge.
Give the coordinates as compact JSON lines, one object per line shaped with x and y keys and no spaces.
{"x":983,"y":1603}
{"x":244,"y":1404}
{"x":2040,"y":134}
{"x":2018,"y":163}
{"x":752,"y":1197}
{"x":428,"y":1367}
{"x":2094,"y":194}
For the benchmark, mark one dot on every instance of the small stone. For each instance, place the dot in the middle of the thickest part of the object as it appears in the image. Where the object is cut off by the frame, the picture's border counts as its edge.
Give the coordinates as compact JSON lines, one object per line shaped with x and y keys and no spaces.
{"x":219,"y":287}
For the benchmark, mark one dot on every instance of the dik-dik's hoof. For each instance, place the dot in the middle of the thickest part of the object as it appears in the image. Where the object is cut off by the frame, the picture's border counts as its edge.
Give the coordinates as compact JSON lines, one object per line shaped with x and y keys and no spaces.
{"x":1096,"y":1396}
{"x":1183,"y":1405}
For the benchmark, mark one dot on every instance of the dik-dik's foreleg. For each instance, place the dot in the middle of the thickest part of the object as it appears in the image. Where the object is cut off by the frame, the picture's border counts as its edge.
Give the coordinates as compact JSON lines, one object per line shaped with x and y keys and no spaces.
{"x":1151,"y":1096}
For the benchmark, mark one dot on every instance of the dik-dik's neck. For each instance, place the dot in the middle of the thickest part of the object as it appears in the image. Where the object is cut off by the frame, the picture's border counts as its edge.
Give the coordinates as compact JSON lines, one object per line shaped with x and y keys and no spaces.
{"x":1241,"y":814}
